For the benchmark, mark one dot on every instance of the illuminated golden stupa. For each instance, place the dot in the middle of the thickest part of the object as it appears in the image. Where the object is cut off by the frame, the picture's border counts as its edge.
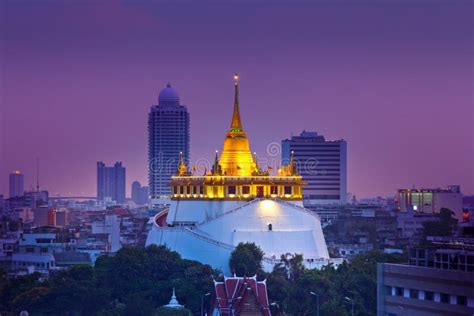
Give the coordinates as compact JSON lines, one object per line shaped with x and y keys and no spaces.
{"x":213,"y":210}
{"x":235,"y":175}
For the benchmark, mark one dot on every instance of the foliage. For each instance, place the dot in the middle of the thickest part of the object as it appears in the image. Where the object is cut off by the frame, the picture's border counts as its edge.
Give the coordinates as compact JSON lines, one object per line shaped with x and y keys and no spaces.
{"x":289,"y":286}
{"x":246,"y":259}
{"x":136,"y":281}
{"x":165,"y":311}
{"x":443,"y":227}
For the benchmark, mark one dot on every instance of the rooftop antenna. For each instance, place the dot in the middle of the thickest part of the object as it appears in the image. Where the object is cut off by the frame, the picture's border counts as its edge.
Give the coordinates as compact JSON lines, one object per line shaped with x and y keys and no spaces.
{"x":37,"y":175}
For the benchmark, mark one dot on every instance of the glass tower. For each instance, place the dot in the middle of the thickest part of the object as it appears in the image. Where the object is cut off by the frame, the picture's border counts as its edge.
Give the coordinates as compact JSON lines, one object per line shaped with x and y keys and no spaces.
{"x":168,"y":136}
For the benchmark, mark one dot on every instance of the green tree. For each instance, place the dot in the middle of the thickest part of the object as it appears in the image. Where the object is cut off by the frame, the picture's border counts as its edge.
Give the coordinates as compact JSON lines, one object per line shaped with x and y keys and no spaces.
{"x":445,"y":226}
{"x":246,"y":259}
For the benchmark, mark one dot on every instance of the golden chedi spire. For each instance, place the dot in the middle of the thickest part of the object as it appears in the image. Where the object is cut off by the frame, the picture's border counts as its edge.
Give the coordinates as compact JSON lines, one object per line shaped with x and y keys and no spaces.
{"x":236,"y":158}
{"x":236,"y":124}
{"x":182,"y":168}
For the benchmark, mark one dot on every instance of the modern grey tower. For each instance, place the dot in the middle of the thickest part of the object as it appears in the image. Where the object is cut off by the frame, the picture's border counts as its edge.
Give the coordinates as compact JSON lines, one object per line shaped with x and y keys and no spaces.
{"x":323,"y":166}
{"x":168,"y":135}
{"x":16,"y":182}
{"x":111,"y":182}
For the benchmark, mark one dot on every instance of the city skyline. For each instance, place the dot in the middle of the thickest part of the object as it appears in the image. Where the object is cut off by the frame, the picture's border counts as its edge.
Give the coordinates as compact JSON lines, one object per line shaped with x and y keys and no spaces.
{"x":399,"y":93}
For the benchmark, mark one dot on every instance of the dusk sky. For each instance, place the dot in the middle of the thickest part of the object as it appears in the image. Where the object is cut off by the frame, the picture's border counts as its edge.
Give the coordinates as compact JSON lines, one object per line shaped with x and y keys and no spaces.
{"x":393,"y":78}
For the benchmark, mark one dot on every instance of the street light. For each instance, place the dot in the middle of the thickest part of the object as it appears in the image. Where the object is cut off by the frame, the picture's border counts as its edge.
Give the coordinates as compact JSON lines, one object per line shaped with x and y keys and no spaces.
{"x":352,"y":303}
{"x":202,"y":303}
{"x":317,"y":302}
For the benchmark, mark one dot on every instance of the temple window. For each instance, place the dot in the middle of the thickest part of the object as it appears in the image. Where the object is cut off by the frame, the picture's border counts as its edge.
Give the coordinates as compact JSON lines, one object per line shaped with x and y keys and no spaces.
{"x":201,"y":190}
{"x":175,"y":189}
{"x":287,"y":190}
{"x":273,"y":190}
{"x":246,"y":189}
{"x":231,"y":189}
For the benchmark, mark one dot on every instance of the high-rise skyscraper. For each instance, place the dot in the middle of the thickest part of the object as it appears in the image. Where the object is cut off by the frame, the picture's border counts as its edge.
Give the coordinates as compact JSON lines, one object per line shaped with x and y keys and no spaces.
{"x":16,"y":180}
{"x":168,"y":135}
{"x":323,"y":166}
{"x":111,"y":182}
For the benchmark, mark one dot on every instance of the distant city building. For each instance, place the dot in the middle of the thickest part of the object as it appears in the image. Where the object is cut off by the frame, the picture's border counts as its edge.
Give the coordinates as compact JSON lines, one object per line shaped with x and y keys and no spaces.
{"x":111,"y":182}
{"x":109,"y":225}
{"x":62,"y":217}
{"x":410,"y":223}
{"x":323,"y":166}
{"x":140,"y":194}
{"x":431,"y":201}
{"x":16,"y":181}
{"x":24,"y":214}
{"x":168,"y":135}
{"x":36,"y":198}
{"x":44,"y":216}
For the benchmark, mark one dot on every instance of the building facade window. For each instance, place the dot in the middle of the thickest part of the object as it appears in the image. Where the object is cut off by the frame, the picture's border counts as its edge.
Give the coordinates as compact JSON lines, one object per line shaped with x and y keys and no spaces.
{"x":429,"y":296}
{"x":444,"y":298}
{"x":414,"y":293}
{"x":461,"y":300}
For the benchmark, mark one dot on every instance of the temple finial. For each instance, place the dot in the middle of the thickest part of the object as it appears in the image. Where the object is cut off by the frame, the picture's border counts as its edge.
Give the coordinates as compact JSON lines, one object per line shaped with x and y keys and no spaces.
{"x":236,"y":124}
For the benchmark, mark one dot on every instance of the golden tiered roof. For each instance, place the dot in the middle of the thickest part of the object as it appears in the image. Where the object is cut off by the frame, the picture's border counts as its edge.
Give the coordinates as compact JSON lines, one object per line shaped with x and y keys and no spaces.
{"x":235,"y":174}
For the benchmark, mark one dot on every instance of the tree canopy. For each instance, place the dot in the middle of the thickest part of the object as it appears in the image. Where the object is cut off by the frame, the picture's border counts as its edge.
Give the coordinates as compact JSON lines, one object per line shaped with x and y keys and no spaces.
{"x":246,"y":259}
{"x":136,"y":281}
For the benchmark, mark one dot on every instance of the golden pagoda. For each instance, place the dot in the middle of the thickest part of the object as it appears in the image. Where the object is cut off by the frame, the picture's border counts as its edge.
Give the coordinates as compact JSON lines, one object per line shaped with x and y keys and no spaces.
{"x":235,"y":175}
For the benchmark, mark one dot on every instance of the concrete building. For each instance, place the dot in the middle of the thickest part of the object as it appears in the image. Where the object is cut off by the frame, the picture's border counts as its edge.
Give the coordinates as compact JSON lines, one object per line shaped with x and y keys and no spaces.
{"x":111,"y":182}
{"x":168,"y":135}
{"x":109,"y":225}
{"x":62,"y":217}
{"x":140,"y":194}
{"x":410,"y":223}
{"x":323,"y":166}
{"x":36,"y":198}
{"x":16,"y":184}
{"x":24,"y":214}
{"x":431,"y":201}
{"x":423,"y":291}
{"x":44,"y":216}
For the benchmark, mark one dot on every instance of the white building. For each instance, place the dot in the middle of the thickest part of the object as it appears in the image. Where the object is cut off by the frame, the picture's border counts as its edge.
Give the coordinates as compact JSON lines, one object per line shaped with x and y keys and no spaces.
{"x":236,"y":201}
{"x":431,"y":201}
{"x":110,"y":225}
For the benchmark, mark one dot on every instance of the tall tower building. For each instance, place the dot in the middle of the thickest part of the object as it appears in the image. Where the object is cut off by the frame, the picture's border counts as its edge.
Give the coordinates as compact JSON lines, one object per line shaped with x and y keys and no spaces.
{"x":168,"y":135}
{"x":16,"y":181}
{"x":323,"y":166}
{"x":111,"y":182}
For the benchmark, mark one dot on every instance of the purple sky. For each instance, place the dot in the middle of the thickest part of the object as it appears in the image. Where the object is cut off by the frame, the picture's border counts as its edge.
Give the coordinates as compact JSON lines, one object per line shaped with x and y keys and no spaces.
{"x":393,"y":78}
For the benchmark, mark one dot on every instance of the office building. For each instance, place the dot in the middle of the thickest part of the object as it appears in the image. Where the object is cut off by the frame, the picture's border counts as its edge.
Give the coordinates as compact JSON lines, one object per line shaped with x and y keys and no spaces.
{"x":323,"y":166}
{"x":16,"y":182}
{"x":111,"y":182}
{"x":168,"y":135}
{"x":425,"y":291}
{"x":431,"y":201}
